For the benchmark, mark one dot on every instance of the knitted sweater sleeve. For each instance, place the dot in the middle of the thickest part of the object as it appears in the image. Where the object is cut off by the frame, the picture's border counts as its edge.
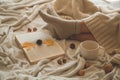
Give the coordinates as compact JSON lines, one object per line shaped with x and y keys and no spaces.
{"x":105,"y":29}
{"x":77,"y":9}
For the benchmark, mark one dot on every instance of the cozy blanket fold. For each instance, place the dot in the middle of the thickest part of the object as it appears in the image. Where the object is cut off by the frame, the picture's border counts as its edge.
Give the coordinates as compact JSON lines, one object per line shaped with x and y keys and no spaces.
{"x":17,"y":17}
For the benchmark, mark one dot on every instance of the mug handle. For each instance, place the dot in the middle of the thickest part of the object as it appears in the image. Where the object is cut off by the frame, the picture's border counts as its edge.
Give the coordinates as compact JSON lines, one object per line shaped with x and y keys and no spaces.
{"x":102,"y":58}
{"x":102,"y":48}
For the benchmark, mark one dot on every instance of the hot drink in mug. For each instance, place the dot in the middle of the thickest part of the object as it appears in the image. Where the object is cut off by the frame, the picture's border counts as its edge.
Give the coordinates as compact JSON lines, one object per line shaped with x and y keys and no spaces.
{"x":89,"y":49}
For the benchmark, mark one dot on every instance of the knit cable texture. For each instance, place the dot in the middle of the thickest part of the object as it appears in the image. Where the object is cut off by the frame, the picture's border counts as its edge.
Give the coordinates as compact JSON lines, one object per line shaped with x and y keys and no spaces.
{"x":16,"y":18}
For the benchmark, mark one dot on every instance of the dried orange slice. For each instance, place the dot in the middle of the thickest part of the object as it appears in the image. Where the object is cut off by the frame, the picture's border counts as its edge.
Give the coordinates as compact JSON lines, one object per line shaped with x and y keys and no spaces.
{"x":28,"y":45}
{"x":49,"y":42}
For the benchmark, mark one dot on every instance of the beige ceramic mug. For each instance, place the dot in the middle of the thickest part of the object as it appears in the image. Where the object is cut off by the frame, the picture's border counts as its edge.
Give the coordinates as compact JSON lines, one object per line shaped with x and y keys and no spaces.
{"x":89,"y":49}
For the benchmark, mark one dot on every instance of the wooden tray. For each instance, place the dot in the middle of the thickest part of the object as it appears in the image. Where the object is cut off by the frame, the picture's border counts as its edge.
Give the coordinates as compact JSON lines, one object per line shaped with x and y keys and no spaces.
{"x":39,"y":52}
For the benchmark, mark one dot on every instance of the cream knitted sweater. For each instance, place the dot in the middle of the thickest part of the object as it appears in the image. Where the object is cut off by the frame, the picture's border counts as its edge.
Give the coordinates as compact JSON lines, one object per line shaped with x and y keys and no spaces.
{"x":13,"y":64}
{"x":103,"y":24}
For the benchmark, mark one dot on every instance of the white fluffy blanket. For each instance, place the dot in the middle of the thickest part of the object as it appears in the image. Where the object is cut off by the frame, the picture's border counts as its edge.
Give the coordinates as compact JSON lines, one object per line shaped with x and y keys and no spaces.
{"x":15,"y":18}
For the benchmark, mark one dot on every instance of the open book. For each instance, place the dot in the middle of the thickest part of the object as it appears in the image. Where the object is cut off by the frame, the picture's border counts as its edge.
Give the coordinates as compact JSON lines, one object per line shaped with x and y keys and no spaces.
{"x":34,"y":52}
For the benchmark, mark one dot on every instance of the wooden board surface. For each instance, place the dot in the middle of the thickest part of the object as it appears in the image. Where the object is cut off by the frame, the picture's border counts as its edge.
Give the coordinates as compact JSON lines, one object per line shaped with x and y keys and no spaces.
{"x":39,"y":52}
